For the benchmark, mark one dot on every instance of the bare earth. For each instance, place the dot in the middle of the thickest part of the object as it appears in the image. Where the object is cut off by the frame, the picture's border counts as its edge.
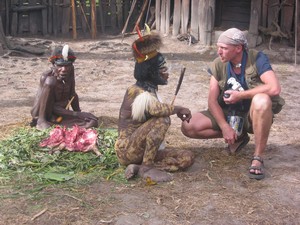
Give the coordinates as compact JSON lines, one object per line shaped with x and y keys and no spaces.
{"x":215,"y":190}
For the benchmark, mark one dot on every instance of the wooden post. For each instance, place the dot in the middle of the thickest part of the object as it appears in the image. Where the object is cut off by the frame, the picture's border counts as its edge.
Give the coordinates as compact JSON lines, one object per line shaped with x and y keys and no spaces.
{"x":209,"y":25}
{"x":157,"y":14}
{"x":286,"y":19}
{"x":55,"y":18}
{"x":176,"y":17}
{"x":201,"y":22}
{"x":33,"y":18}
{"x":7,"y":16}
{"x":93,"y":19}
{"x":50,"y":17}
{"x":273,"y":8}
{"x":74,"y":27}
{"x":195,"y":19}
{"x":297,"y":22}
{"x":264,"y":14}
{"x":65,"y":20}
{"x":102,"y":21}
{"x":254,"y":23}
{"x":168,"y":14}
{"x":119,"y":11}
{"x":297,"y":18}
{"x":83,"y":20}
{"x":185,"y":16}
{"x":113,"y":15}
{"x":212,"y":5}
{"x":14,"y":20}
{"x":163,"y":16}
{"x":3,"y":40}
{"x":44,"y":19}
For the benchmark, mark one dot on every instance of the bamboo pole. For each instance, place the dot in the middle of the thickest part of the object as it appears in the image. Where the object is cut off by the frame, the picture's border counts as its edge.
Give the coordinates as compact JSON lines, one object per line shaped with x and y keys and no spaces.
{"x":74,"y":27}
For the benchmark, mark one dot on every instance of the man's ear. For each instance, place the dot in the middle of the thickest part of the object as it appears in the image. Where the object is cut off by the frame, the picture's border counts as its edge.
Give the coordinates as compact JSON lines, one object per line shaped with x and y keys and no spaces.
{"x":239,"y":48}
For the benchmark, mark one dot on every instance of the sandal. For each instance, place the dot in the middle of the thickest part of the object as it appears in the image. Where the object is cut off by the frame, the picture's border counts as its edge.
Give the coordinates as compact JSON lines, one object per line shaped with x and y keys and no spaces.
{"x":239,"y":145}
{"x":260,"y":175}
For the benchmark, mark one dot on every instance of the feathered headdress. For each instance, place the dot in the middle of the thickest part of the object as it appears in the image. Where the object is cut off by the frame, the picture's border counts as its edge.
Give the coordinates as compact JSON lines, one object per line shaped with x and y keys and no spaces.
{"x":147,"y":46}
{"x":62,"y":55}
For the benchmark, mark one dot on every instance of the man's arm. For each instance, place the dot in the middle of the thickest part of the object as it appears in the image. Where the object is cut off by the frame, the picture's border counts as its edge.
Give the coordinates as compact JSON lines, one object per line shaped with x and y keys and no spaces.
{"x":216,"y":110}
{"x":270,"y":87}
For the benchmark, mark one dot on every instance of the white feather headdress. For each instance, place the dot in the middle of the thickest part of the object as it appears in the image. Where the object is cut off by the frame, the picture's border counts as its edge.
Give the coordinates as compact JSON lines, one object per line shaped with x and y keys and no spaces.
{"x":65,"y":52}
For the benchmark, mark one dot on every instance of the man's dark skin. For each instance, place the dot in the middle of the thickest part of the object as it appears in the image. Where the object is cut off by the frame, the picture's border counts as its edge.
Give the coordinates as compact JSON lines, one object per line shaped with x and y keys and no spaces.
{"x":56,"y":89}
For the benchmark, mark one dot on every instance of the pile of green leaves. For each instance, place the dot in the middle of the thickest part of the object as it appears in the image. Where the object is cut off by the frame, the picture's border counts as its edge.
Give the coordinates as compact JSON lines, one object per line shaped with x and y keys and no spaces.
{"x":21,"y":156}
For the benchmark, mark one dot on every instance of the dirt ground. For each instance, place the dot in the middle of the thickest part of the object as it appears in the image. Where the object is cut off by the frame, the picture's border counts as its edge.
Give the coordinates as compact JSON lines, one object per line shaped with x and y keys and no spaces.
{"x":215,"y":190}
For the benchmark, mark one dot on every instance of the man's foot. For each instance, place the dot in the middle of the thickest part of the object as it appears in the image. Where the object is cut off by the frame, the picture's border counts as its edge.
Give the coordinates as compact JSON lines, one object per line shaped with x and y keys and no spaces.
{"x":131,"y":171}
{"x":145,"y":172}
{"x":91,"y":123}
{"x":42,"y":125}
{"x":256,"y":169}
{"x":154,"y":174}
{"x":239,"y":144}
{"x":33,"y":122}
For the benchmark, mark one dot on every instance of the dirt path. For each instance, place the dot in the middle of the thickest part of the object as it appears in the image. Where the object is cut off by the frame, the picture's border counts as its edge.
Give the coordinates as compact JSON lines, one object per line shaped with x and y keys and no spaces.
{"x":215,"y":190}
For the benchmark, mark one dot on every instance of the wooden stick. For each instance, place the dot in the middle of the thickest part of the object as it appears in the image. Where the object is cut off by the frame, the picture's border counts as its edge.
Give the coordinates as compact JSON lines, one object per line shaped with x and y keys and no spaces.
{"x":59,"y":119}
{"x":84,"y":16}
{"x":129,"y":15}
{"x":179,"y":84}
{"x":39,"y":214}
{"x":141,"y":15}
{"x":70,"y":102}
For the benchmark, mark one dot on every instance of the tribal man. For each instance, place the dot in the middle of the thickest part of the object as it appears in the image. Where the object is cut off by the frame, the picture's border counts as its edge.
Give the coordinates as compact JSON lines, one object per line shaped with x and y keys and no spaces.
{"x":144,"y":119}
{"x":56,"y":93}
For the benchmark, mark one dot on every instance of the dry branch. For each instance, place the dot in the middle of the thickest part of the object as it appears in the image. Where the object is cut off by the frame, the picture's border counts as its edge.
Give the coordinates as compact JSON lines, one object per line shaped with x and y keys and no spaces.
{"x":39,"y":214}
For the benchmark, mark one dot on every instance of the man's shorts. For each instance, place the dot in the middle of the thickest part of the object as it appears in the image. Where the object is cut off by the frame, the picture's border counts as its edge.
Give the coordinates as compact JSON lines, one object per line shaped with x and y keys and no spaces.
{"x":247,"y":121}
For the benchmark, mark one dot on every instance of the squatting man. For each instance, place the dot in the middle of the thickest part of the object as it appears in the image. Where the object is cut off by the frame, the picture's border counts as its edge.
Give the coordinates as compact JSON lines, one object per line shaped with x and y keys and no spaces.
{"x":243,"y":92}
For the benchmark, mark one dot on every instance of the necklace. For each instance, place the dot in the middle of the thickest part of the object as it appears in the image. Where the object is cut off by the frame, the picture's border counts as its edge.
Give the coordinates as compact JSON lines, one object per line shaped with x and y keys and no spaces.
{"x":238,"y":65}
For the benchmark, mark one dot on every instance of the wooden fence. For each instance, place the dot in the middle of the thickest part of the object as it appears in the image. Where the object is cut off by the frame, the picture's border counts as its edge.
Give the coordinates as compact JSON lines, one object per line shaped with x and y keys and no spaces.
{"x":59,"y":17}
{"x":200,"y":18}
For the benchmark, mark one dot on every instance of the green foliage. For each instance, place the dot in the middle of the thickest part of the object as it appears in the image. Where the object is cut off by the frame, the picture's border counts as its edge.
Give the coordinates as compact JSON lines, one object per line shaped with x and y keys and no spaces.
{"x":21,"y":156}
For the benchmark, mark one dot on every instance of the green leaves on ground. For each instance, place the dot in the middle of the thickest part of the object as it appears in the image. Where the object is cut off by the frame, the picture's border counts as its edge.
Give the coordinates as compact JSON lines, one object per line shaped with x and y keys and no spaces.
{"x":21,"y":154}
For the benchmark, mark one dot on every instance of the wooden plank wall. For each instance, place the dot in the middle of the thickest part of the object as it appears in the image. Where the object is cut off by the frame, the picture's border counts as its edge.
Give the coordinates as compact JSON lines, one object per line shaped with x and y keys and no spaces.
{"x":236,"y":14}
{"x":197,"y":17}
